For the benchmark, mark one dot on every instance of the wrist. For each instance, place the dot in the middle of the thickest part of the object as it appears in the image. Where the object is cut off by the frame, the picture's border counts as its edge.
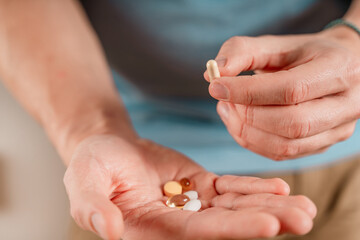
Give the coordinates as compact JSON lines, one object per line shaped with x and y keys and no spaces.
{"x":352,"y":14}
{"x":344,"y":34}
{"x":107,"y":119}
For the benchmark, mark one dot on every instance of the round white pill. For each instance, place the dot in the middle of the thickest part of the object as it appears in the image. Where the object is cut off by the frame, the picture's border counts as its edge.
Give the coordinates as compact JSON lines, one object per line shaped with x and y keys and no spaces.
{"x":193,"y":205}
{"x":192,"y":194}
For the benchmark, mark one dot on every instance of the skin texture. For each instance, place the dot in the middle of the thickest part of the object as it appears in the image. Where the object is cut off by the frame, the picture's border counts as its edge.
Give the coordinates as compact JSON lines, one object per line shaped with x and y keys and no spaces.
{"x":303,"y":98}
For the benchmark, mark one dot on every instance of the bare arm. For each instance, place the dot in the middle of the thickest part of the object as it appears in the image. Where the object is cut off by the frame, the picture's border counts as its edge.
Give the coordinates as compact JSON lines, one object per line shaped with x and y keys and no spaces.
{"x":52,"y":62}
{"x":353,"y":14}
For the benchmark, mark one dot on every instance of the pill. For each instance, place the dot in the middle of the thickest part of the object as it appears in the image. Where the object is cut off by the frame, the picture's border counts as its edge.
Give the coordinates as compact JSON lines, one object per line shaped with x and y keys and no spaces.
{"x":172,"y":188}
{"x":192,"y":195}
{"x":178,"y":201}
{"x":213,"y":70}
{"x":185,"y":184}
{"x":192,"y":205}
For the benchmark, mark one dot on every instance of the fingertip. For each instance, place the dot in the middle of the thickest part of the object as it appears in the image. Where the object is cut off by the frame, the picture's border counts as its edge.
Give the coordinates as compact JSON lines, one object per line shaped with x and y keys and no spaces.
{"x":304,"y":226}
{"x":301,"y":223}
{"x":307,"y":205}
{"x":108,"y":226}
{"x":219,"y":91}
{"x":95,"y":212}
{"x":312,"y":210}
{"x":114,"y":225}
{"x":270,"y":226}
{"x":98,"y":225}
{"x":286,"y":189}
{"x":282,"y":188}
{"x":206,"y":76}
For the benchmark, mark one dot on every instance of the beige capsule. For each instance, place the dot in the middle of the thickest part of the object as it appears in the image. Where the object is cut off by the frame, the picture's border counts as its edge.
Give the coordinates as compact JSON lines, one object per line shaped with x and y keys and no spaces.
{"x":177,"y":201}
{"x":213,"y":70}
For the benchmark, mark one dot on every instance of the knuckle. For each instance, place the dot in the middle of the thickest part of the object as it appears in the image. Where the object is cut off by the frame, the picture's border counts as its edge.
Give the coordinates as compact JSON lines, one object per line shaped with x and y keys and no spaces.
{"x":298,"y":127}
{"x":286,"y":149}
{"x":249,"y":115}
{"x":277,"y":158}
{"x":249,"y":99}
{"x":237,"y":40}
{"x":231,"y":41}
{"x":215,"y":201}
{"x":240,"y":131}
{"x":347,"y":133}
{"x":346,"y":136}
{"x":240,"y":141}
{"x":296,"y":93}
{"x":221,"y":181}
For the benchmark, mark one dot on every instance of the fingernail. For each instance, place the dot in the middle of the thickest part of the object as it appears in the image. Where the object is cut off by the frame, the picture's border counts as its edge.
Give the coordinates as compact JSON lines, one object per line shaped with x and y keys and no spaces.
{"x":219,"y":91}
{"x":224,"y":111}
{"x":98,"y":224}
{"x":221,"y":61}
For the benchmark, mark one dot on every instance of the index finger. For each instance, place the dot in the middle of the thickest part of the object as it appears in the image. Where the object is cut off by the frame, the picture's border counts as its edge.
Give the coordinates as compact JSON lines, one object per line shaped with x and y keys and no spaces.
{"x":299,"y":84}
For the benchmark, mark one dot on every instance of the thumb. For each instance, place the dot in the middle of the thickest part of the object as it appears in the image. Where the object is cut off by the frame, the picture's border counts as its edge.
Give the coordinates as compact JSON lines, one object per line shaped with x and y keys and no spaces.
{"x":92,"y":209}
{"x":240,"y":54}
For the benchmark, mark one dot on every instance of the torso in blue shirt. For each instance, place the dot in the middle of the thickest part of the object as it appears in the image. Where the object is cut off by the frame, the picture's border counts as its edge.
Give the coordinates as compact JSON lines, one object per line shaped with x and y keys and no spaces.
{"x":161,"y":47}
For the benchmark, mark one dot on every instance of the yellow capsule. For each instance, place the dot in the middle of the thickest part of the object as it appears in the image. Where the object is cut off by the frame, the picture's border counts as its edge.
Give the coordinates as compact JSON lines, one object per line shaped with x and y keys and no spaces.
{"x":172,"y":188}
{"x":213,"y":70}
{"x":185,"y":184}
{"x":177,"y":201}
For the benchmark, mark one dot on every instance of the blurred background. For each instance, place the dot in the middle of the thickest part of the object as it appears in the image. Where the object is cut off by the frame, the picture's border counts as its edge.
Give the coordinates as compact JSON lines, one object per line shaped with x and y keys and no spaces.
{"x":33,"y":202}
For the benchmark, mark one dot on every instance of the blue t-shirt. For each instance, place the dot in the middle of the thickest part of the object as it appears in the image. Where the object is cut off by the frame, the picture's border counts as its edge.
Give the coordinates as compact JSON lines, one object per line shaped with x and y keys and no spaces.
{"x":161,"y":47}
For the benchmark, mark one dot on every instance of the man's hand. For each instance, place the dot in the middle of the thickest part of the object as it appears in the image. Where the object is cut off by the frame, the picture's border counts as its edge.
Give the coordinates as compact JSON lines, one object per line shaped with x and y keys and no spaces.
{"x":304,"y":98}
{"x":115,"y":190}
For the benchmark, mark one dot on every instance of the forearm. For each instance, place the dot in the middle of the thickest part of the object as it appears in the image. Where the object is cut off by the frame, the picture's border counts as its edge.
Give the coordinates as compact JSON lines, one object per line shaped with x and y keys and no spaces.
{"x":52,"y":62}
{"x":353,"y":14}
{"x":348,"y":36}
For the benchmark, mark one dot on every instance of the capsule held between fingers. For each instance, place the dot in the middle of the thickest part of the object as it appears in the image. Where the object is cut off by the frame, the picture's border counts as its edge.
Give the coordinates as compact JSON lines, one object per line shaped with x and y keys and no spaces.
{"x":213,"y":70}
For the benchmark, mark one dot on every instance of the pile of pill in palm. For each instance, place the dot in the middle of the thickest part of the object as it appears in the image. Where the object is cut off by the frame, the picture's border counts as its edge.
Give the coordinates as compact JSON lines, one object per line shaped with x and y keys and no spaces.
{"x":181,"y":196}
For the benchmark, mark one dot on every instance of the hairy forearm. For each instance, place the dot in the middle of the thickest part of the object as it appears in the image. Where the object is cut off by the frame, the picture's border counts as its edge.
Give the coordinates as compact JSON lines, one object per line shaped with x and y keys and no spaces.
{"x":52,"y":62}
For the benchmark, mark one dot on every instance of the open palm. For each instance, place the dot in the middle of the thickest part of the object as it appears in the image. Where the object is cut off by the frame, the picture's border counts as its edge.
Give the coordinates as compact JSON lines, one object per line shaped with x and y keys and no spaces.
{"x":115,"y":190}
